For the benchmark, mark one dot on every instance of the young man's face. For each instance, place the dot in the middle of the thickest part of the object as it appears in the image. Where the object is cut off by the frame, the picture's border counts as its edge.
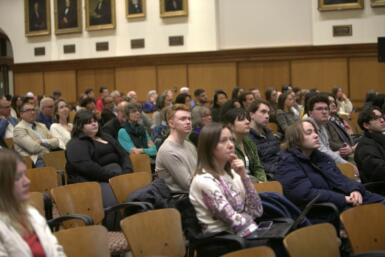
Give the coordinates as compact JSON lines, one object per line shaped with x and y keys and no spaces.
{"x":261,"y":116}
{"x":181,"y":122}
{"x":320,"y":112}
{"x":377,"y":124}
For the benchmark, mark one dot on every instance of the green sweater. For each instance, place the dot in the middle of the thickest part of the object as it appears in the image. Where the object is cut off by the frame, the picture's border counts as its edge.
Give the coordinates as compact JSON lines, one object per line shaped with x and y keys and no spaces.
{"x":255,"y":167}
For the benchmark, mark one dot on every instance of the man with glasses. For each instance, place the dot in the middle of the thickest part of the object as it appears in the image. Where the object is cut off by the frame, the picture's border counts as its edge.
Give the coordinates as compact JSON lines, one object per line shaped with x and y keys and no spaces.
{"x":370,"y":152}
{"x":32,"y":138}
{"x":318,"y":112}
{"x":46,"y":111}
{"x":7,"y":122}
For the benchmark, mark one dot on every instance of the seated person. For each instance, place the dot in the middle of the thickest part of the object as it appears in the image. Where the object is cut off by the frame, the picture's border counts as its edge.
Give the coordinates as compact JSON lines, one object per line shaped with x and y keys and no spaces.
{"x":239,"y":121}
{"x":305,"y":172}
{"x":204,"y":119}
{"x":23,"y":231}
{"x":222,"y":194}
{"x":370,"y":152}
{"x":94,"y":156}
{"x":113,"y":126}
{"x":267,"y":144}
{"x":7,"y":122}
{"x":62,"y":128}
{"x":285,"y":115}
{"x":133,"y":137}
{"x":176,"y":159}
{"x":32,"y":138}
{"x":46,"y":113}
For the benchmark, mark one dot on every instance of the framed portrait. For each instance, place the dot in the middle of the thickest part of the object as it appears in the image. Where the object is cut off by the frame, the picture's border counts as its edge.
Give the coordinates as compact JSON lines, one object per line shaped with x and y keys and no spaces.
{"x":173,"y":8}
{"x":100,"y":14}
{"x":336,"y":5}
{"x":135,"y":9}
{"x":68,"y":17}
{"x":37,"y":17}
{"x":377,"y":3}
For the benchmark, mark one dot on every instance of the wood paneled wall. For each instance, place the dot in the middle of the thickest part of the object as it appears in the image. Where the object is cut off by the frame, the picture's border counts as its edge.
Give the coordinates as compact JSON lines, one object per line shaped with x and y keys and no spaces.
{"x":352,"y":67}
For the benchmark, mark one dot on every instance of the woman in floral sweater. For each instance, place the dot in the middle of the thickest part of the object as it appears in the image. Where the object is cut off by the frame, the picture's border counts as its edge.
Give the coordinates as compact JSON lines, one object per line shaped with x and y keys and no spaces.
{"x":222,"y":194}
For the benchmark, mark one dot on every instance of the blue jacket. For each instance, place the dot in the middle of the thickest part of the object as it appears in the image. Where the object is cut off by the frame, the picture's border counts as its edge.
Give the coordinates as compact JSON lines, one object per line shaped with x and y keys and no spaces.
{"x":303,"y":178}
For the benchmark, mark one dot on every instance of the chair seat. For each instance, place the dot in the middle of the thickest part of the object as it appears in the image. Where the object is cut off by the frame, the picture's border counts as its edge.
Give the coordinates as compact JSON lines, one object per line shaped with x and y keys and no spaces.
{"x":117,"y":243}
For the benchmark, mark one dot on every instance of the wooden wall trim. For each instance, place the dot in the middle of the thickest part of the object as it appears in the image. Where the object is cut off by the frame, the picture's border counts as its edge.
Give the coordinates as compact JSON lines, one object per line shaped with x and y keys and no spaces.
{"x":255,"y":54}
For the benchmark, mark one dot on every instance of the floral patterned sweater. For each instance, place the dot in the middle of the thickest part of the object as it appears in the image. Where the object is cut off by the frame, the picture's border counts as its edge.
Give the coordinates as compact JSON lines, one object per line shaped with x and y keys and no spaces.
{"x":225,"y":204}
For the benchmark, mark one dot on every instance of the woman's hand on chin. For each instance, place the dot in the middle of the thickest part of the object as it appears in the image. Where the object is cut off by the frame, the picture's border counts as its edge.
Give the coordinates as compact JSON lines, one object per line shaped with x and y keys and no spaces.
{"x":237,"y":165}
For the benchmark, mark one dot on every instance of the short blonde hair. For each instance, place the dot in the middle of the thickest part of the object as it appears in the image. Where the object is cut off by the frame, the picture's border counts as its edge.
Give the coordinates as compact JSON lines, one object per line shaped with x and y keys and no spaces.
{"x":176,"y":107}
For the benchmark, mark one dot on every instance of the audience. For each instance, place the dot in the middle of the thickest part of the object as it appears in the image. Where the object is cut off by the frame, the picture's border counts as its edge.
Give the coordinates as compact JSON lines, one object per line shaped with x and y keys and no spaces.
{"x":103,"y":92}
{"x":94,"y":156}
{"x":267,"y":144}
{"x":62,"y":128}
{"x":15,"y":106}
{"x":176,"y":158}
{"x":133,"y":136}
{"x":306,"y":172}
{"x":107,"y":112}
{"x":370,"y":152}
{"x":285,"y":115}
{"x":200,"y":100}
{"x":32,"y":138}
{"x":204,"y":119}
{"x":46,"y":113}
{"x":239,"y":121}
{"x":113,"y":126}
{"x":149,"y":106}
{"x":219,"y":99}
{"x":185,"y":99}
{"x":23,"y":231}
{"x":318,"y":113}
{"x":7,"y":122}
{"x":344,"y":106}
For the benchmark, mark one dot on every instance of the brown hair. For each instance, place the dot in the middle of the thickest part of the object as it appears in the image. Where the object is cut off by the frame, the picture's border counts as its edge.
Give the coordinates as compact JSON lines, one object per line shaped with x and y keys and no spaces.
{"x":10,"y":207}
{"x":294,"y":134}
{"x":176,"y":107}
{"x":208,"y":140}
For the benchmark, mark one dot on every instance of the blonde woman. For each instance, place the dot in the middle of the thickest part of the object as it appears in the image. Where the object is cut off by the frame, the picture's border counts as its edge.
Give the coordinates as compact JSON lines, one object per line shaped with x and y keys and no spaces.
{"x":62,"y":128}
{"x":23,"y":231}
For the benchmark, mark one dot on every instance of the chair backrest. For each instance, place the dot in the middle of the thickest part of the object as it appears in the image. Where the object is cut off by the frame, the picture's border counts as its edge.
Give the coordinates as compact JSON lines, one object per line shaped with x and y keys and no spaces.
{"x":157,"y":233}
{"x":317,"y":241}
{"x":72,"y":116}
{"x":42,"y":179}
{"x":28,"y":162}
{"x":270,"y":186}
{"x":124,"y":185}
{"x":354,"y":123}
{"x":273,"y":126}
{"x":55,"y":159}
{"x":347,"y":169}
{"x":9,"y":142}
{"x":87,"y":241}
{"x":81,"y":198}
{"x":260,"y":251}
{"x":36,"y":199}
{"x":141,"y":162}
{"x":365,"y":226}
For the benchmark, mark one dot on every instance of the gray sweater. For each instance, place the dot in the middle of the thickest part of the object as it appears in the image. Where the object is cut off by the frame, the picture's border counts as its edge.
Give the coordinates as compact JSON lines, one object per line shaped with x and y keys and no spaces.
{"x":176,"y":164}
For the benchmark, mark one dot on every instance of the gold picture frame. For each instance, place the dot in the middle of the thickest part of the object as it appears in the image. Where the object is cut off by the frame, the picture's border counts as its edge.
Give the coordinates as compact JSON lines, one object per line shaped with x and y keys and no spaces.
{"x":100,"y":14}
{"x":135,"y":9}
{"x":37,"y":18}
{"x":377,"y":3}
{"x":173,"y":8}
{"x":337,"y":5}
{"x":68,"y":17}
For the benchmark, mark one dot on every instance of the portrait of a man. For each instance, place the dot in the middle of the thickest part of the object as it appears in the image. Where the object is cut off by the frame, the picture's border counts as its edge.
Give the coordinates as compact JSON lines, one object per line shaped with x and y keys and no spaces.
{"x":173,"y":8}
{"x":135,"y":8}
{"x":336,"y":5}
{"x":173,"y":5}
{"x":37,"y":17}
{"x":100,"y":14}
{"x":67,"y":14}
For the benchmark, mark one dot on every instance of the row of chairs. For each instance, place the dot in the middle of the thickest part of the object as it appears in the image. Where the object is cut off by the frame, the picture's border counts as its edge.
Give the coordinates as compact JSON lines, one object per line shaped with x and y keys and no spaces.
{"x":159,"y":233}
